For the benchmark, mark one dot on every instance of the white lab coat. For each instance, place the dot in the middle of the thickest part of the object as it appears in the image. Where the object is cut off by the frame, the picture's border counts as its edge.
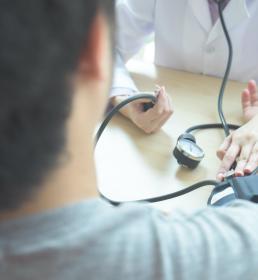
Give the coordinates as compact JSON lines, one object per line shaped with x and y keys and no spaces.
{"x":186,"y":39}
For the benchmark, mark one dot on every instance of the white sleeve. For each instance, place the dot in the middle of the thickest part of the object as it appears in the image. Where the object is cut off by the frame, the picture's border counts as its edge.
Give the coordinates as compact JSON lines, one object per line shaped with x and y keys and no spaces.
{"x":135,"y":22}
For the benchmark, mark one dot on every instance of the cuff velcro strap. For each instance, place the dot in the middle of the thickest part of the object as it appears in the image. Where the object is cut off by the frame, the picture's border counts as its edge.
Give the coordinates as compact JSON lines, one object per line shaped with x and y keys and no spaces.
{"x":220,"y":197}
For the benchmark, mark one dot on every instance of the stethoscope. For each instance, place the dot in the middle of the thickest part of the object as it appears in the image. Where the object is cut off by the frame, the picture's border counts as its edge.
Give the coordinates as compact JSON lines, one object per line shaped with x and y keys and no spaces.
{"x":187,"y":152}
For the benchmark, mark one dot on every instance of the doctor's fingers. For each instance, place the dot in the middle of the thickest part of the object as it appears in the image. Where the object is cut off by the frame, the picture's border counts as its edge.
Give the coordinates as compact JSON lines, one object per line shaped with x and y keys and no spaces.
{"x":162,"y":108}
{"x":153,"y":119}
{"x":250,"y":95}
{"x":150,"y":126}
{"x":253,"y":160}
{"x":252,"y":87}
{"x":228,"y":160}
{"x":246,"y":99}
{"x":145,"y":124}
{"x":161,"y":113}
{"x":224,"y":147}
{"x":157,"y":124}
{"x":243,"y":159}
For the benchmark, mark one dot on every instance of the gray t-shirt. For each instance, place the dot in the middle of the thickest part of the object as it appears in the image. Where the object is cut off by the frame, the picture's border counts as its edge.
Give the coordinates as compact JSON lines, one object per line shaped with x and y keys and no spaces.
{"x":93,"y":240}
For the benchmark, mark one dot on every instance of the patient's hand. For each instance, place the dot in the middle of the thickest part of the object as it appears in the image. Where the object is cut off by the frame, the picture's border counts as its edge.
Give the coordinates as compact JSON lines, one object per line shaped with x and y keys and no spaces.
{"x":250,"y":101}
{"x":241,"y":145}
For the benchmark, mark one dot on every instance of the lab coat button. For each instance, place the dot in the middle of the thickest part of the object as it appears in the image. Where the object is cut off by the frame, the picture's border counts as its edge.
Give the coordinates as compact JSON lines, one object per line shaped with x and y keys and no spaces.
{"x":210,"y":49}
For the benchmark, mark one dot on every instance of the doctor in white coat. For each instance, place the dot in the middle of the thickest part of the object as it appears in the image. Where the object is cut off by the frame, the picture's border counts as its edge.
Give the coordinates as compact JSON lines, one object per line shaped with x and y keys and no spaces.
{"x":189,"y":37}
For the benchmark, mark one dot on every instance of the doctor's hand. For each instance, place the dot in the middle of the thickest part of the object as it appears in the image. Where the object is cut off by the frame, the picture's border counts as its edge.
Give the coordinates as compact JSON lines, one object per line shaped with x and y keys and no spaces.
{"x":250,"y":101}
{"x":240,"y":146}
{"x":152,"y":120}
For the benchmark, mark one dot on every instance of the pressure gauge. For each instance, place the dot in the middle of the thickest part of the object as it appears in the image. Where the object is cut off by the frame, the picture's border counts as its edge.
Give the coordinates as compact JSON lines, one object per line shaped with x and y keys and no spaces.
{"x":187,"y":152}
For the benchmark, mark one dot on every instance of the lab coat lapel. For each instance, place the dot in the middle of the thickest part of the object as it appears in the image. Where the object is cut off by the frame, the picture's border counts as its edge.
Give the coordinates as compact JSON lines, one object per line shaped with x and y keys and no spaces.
{"x":234,"y":13}
{"x":201,"y":12}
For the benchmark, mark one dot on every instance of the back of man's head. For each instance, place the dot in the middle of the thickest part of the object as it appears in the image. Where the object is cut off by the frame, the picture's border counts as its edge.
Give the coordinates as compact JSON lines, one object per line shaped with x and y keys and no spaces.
{"x":40,"y":45}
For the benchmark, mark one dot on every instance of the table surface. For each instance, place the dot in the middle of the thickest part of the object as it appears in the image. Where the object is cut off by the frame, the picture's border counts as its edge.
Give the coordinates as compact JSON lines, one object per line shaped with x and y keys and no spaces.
{"x":132,"y":165}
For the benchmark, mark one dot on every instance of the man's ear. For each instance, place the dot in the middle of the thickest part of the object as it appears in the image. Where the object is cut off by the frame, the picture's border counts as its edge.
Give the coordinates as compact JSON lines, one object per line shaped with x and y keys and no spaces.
{"x":93,"y":57}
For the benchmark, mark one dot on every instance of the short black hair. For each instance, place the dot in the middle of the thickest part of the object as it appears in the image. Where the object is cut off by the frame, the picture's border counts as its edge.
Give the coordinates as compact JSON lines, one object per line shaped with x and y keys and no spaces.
{"x":40,"y":45}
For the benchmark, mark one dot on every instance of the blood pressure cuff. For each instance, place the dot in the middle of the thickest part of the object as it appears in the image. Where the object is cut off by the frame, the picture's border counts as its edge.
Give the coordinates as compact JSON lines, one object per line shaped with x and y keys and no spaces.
{"x":245,"y":188}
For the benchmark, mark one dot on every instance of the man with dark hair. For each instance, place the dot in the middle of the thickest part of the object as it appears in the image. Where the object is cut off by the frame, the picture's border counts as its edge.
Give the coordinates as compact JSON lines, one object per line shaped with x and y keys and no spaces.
{"x":55,"y":65}
{"x":42,"y":43}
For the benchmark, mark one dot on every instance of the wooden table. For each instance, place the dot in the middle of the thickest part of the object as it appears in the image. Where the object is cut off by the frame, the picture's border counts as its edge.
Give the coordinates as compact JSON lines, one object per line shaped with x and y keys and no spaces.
{"x":132,"y":165}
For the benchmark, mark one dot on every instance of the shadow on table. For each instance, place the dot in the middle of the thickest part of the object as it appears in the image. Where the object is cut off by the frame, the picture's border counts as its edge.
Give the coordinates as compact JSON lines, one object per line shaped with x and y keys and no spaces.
{"x":156,"y":149}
